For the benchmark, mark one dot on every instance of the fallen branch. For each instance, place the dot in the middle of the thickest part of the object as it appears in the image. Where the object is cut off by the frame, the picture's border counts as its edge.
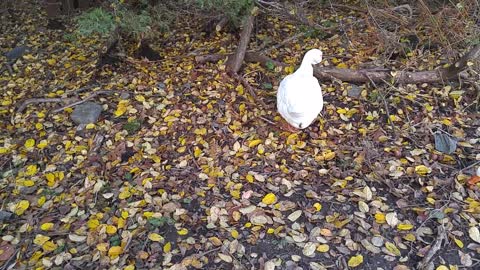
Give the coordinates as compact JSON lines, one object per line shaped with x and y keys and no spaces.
{"x":249,"y":88}
{"x":439,"y":75}
{"x":234,"y":63}
{"x":437,"y":245}
{"x":37,"y":100}
{"x":94,"y":94}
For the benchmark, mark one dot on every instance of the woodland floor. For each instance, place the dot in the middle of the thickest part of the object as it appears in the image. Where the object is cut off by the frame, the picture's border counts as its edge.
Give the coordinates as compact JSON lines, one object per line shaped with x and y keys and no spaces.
{"x":186,"y":173}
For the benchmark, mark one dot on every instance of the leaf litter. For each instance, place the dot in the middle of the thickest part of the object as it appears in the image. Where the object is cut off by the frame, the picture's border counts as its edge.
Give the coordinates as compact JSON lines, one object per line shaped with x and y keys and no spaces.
{"x":185,"y":173}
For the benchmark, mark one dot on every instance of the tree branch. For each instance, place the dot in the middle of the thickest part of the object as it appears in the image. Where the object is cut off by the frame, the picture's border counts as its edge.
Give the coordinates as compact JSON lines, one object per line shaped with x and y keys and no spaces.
{"x":234,"y":63}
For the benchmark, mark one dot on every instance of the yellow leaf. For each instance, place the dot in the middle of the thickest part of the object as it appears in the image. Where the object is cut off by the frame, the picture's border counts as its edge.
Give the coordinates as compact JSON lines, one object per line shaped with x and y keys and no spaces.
{"x":341,"y":111}
{"x":431,"y":200}
{"x":41,"y":201}
{"x":21,"y":207}
{"x":129,"y":267}
{"x":355,"y":260}
{"x":197,"y":152}
{"x":124,"y":194}
{"x":329,"y":156}
{"x":140,"y":98}
{"x":380,"y":218}
{"x":254,"y":143}
{"x":40,"y":239}
{"x":200,"y":131}
{"x":323,"y":248}
{"x":121,"y":108}
{"x":51,"y":61}
{"x":42,"y":144}
{"x":249,"y":178}
{"x":240,"y":89}
{"x":50,"y":177}
{"x":111,"y":229}
{"x":93,"y":223}
{"x":270,"y":230}
{"x":49,"y":246}
{"x":170,"y":118}
{"x":342,"y":65}
{"x":410,"y":237}
{"x":115,"y":251}
{"x":31,"y":170}
{"x":60,"y":175}
{"x":404,"y":226}
{"x":28,"y":183}
{"x":148,"y":214}
{"x":392,"y":248}
{"x":124,"y":214}
{"x":270,"y":198}
{"x":155,"y":237}
{"x":90,"y":126}
{"x":441,"y":267}
{"x":234,"y":233}
{"x":182,"y":231}
{"x":29,"y":143}
{"x":458,"y":242}
{"x":422,"y":170}
{"x":167,"y":247}
{"x":102,"y":246}
{"x":317,"y":206}
{"x":46,"y":226}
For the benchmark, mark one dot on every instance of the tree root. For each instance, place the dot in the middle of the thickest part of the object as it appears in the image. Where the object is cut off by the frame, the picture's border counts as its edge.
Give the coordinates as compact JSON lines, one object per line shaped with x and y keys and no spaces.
{"x":426,"y":263}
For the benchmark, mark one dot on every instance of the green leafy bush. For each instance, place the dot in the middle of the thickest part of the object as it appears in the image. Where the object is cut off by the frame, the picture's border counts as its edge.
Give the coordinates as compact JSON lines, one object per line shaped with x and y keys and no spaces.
{"x":95,"y":21}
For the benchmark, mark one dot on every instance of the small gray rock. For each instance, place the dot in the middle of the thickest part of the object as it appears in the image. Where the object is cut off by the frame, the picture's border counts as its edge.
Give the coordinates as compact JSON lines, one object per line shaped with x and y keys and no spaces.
{"x":86,"y":113}
{"x":161,"y":85}
{"x":445,"y":143}
{"x":16,"y":53}
{"x":4,"y":215}
{"x":354,"y":91}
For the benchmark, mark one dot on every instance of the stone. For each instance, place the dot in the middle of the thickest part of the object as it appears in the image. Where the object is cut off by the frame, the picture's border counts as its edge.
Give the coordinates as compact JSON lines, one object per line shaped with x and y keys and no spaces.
{"x":445,"y":143}
{"x":4,"y":215}
{"x":16,"y":53}
{"x":86,"y":113}
{"x":354,"y":91}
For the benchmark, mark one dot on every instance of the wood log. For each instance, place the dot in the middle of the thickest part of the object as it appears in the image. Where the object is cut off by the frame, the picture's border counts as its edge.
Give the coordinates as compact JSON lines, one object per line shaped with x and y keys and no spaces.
{"x":234,"y":63}
{"x":439,"y":75}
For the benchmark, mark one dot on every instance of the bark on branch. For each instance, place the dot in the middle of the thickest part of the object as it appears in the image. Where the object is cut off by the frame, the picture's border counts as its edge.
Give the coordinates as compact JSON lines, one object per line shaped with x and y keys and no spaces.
{"x":439,"y":75}
{"x":234,"y":63}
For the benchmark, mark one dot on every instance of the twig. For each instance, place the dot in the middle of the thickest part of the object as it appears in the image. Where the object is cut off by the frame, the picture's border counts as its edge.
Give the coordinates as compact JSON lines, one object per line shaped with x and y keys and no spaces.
{"x":249,"y":88}
{"x":37,"y":100}
{"x":208,"y":252}
{"x":87,"y":98}
{"x":6,"y":265}
{"x":437,"y":245}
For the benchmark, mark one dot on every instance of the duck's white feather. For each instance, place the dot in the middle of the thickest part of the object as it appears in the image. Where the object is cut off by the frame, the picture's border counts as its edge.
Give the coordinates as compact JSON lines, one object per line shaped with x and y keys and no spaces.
{"x":299,"y":96}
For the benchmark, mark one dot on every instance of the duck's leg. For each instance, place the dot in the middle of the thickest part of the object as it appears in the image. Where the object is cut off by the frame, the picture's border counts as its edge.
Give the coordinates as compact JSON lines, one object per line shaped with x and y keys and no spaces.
{"x":287,"y":127}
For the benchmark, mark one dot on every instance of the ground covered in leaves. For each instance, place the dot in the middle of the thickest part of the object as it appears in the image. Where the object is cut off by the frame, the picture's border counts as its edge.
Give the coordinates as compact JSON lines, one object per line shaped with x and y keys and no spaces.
{"x":185,"y":170}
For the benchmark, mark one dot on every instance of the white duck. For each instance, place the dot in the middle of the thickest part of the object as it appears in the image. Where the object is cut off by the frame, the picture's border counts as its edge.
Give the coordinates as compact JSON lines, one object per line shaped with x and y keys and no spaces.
{"x":299,"y":96}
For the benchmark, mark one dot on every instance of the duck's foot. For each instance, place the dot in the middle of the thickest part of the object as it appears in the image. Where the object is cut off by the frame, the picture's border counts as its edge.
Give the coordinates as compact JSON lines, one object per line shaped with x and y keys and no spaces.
{"x":287,"y":127}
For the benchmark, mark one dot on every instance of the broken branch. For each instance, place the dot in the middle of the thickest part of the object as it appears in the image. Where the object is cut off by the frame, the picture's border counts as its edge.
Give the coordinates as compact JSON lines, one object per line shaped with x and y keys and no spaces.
{"x":234,"y":63}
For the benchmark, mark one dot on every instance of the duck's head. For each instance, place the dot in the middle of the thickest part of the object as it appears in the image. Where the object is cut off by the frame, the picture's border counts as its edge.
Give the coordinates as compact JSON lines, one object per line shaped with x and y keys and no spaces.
{"x":313,"y":57}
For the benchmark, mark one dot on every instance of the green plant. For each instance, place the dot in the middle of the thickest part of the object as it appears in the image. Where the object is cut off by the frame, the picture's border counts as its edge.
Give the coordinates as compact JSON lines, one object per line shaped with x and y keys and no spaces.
{"x":95,"y":21}
{"x":235,"y":10}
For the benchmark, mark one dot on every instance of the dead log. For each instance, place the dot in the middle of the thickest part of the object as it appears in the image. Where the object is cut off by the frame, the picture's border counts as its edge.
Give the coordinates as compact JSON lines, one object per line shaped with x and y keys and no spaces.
{"x":234,"y":63}
{"x":439,"y":75}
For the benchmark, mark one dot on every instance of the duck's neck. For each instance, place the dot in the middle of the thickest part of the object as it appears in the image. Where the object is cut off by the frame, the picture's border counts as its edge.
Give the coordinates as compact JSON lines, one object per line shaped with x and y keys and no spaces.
{"x":305,"y":68}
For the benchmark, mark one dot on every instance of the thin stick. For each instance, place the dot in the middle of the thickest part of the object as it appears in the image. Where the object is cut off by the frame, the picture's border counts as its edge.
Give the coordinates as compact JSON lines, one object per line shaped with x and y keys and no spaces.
{"x":37,"y":100}
{"x":87,"y":98}
{"x":437,"y":245}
